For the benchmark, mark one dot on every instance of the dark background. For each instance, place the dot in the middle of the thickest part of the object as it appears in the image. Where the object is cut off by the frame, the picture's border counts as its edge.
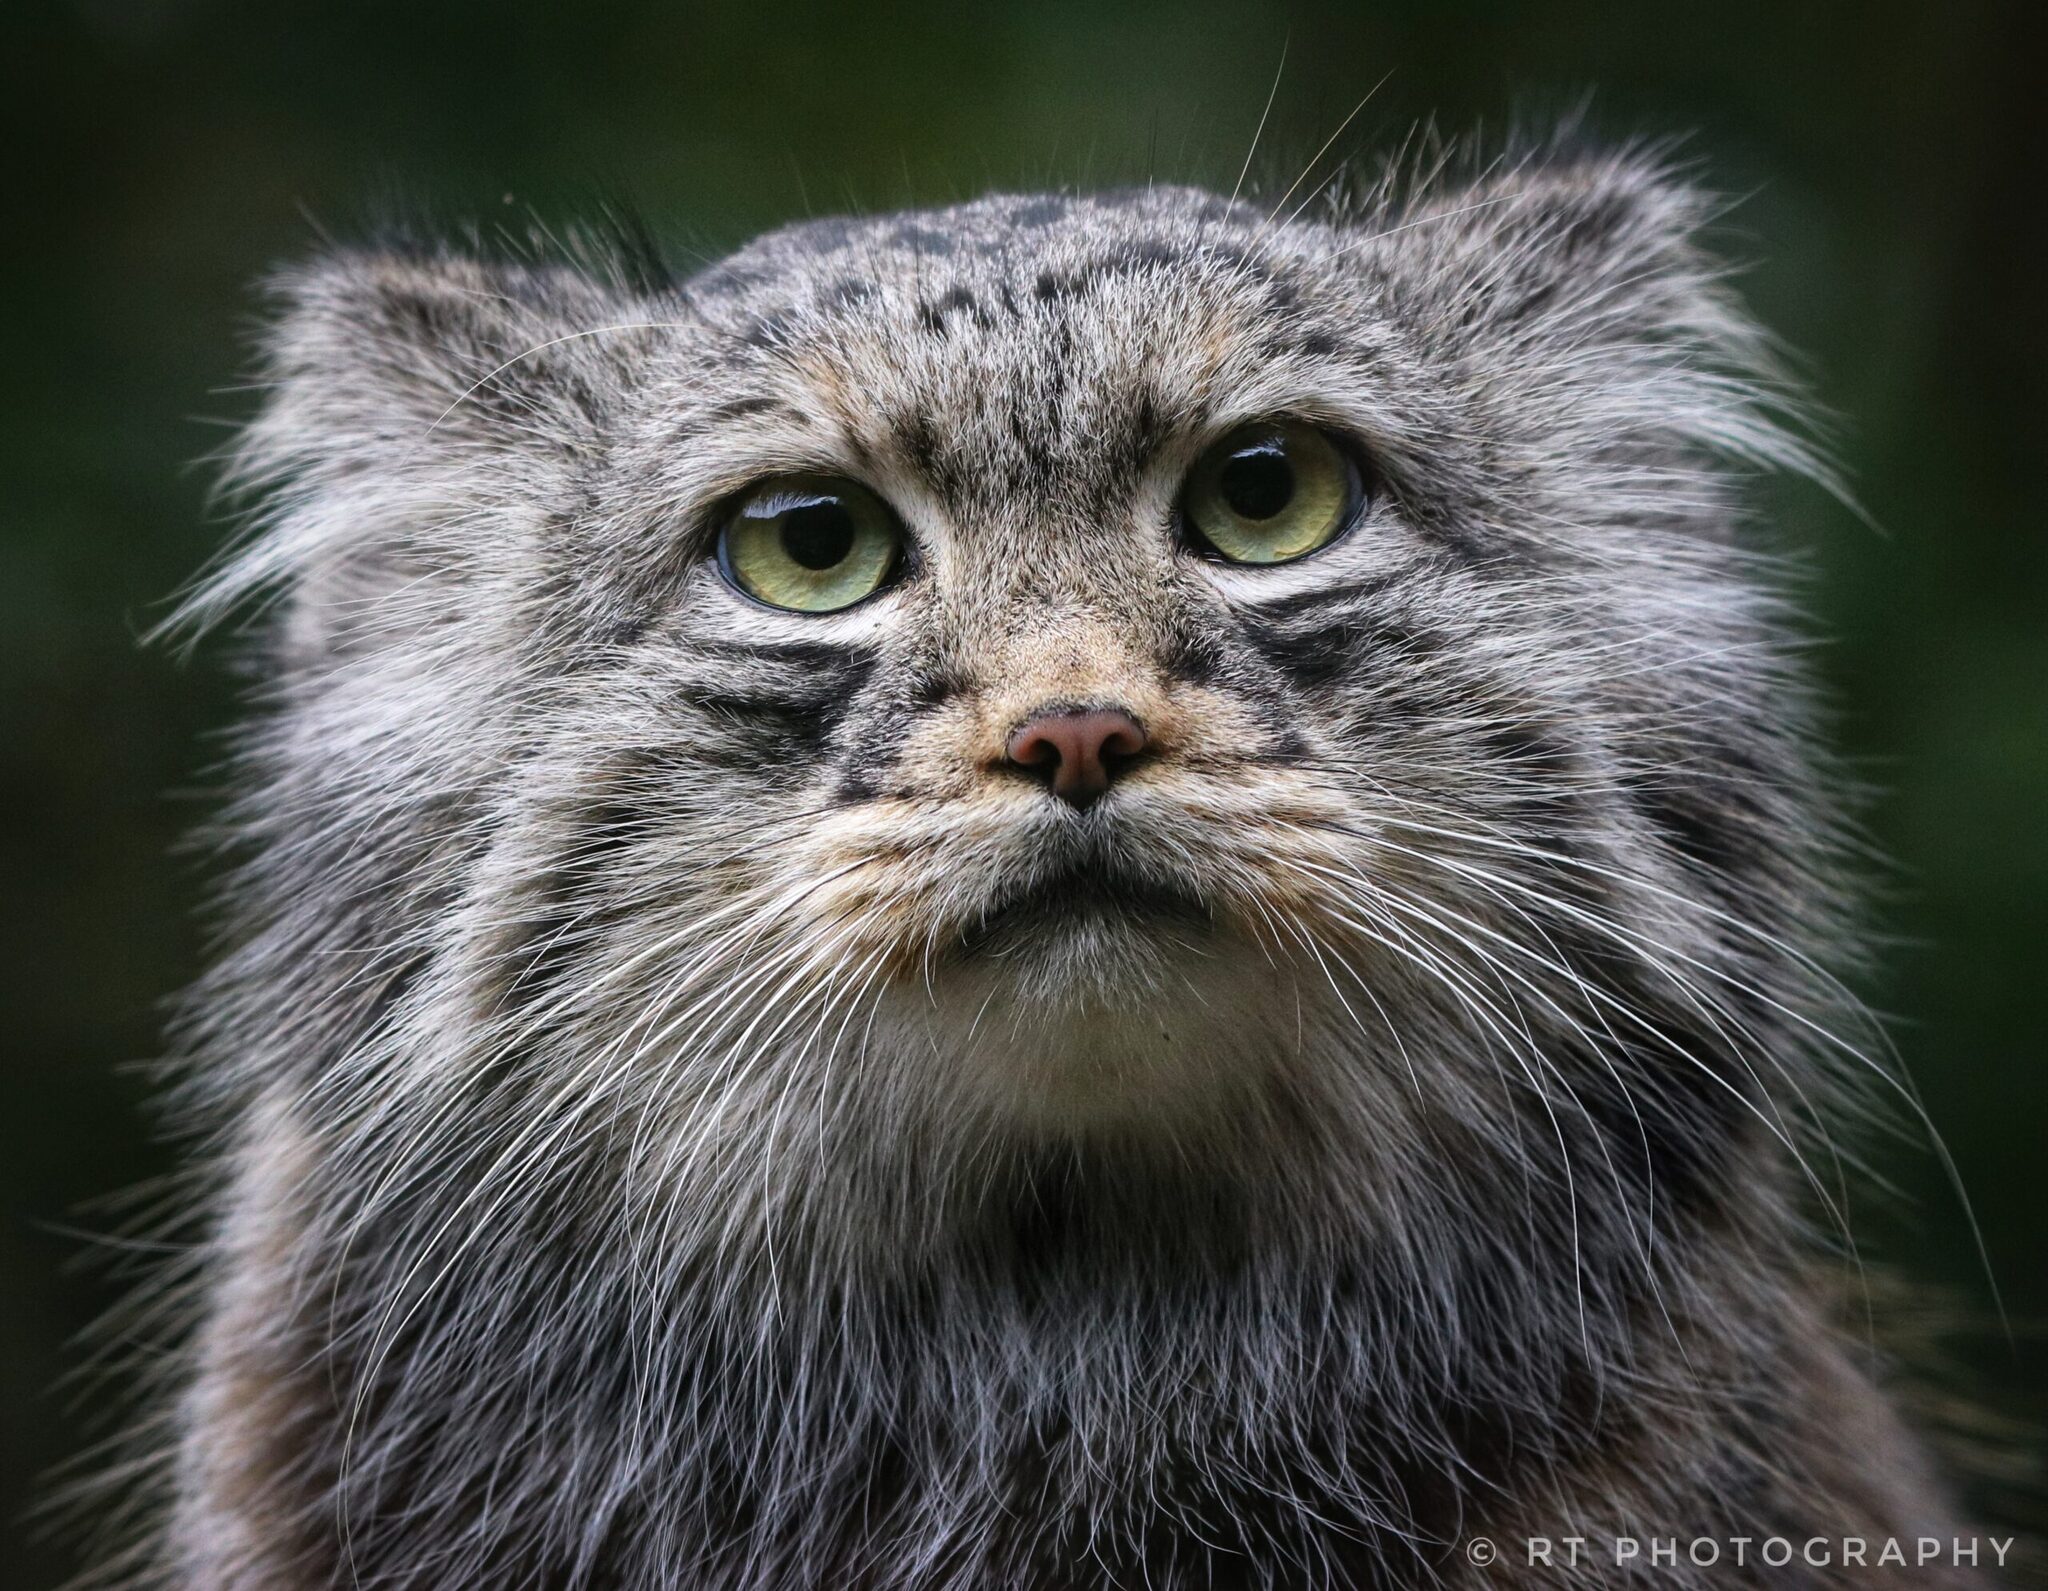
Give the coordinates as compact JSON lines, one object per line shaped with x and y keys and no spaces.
{"x":160,"y":153}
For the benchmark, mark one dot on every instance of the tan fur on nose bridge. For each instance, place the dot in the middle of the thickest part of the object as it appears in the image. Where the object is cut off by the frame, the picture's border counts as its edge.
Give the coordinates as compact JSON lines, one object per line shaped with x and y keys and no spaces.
{"x":1087,"y":664}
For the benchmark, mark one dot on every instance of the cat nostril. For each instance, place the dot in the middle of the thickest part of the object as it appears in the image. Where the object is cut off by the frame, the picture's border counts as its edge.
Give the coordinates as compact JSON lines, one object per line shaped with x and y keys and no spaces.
{"x":1079,"y":753}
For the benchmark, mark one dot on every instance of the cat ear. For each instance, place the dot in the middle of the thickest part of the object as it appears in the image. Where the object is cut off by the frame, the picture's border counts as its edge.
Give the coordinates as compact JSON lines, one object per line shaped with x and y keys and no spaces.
{"x":1554,"y":249}
{"x":1575,"y":300}
{"x":383,"y":361}
{"x":422,"y":410}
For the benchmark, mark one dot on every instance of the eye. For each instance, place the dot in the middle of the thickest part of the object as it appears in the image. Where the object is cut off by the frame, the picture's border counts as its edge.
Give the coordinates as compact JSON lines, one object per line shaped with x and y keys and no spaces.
{"x":1270,"y":492}
{"x":810,"y":543}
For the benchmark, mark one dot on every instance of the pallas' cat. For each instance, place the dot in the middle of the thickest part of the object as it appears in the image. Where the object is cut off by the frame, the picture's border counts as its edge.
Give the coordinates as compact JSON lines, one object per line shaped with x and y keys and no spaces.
{"x":1072,"y":892}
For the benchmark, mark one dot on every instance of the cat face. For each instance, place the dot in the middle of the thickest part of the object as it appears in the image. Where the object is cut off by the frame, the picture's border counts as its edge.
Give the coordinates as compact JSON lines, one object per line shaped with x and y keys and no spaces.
{"x":841,"y":677}
{"x":1033,"y":440}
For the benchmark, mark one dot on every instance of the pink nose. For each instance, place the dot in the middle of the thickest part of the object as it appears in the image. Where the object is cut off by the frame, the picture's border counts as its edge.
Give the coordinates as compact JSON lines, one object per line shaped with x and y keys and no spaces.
{"x":1078,"y":753}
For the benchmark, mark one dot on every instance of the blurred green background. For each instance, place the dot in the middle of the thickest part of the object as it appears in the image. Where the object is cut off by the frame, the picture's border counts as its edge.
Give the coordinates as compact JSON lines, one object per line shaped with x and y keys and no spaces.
{"x":160,"y":153}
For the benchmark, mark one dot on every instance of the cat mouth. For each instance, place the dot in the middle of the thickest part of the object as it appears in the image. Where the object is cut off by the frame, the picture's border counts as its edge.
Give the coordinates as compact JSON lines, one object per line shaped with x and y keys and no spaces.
{"x":1081,"y":898}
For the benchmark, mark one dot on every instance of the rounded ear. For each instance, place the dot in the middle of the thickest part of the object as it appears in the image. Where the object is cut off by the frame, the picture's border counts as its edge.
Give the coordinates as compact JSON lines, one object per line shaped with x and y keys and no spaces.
{"x":1575,"y":296}
{"x":1607,"y":243}
{"x":377,"y":360}
{"x":419,"y":405}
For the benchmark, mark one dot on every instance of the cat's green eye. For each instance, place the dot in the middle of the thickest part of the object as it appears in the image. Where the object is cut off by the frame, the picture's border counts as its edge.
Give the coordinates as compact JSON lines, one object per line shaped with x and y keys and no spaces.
{"x":810,"y":543}
{"x":1270,"y":492}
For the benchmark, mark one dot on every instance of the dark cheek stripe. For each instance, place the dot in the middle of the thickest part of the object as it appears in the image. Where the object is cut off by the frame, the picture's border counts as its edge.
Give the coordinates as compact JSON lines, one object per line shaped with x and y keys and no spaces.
{"x":1198,"y":657}
{"x":1319,"y":646}
{"x":1713,"y":822}
{"x":783,"y":729}
{"x":1320,"y":597}
{"x":1670,"y":1100}
{"x":566,"y":908}
{"x":1311,"y":658}
{"x":771,"y":711}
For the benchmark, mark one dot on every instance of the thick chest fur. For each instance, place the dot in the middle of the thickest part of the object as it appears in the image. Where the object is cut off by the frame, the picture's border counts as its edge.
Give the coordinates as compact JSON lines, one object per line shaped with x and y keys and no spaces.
{"x":497,"y":1435}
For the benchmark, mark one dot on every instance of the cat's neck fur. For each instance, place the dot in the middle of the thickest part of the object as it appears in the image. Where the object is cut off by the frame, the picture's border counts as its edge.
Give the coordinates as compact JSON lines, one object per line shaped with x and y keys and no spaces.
{"x":1062,"y":1349}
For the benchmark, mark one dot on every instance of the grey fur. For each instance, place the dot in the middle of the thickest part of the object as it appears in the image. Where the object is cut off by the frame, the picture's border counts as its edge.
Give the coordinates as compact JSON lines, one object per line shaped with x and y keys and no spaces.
{"x":652,"y":1154}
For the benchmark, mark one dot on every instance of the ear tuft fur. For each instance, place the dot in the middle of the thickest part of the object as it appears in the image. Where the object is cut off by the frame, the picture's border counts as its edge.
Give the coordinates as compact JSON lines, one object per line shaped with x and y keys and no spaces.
{"x":372,"y":351}
{"x":1576,"y":296}
{"x":1547,"y":236}
{"x":407,"y":389}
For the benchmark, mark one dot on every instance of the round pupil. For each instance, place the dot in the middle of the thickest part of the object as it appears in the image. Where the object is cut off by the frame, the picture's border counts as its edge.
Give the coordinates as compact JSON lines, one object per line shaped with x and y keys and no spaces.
{"x":1257,"y":483}
{"x":818,"y":535}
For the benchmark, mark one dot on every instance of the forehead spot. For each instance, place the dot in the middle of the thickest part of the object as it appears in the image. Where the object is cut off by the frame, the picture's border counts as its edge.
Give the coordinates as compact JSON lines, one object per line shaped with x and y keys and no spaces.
{"x":1039,"y":212}
{"x":936,"y":315}
{"x":849,"y":292}
{"x":723,"y":281}
{"x":771,"y":330}
{"x":747,"y":408}
{"x":922,"y":239}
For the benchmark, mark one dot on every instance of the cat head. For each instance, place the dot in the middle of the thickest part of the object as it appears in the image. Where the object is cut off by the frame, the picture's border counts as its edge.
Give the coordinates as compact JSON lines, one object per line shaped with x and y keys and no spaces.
{"x":1054,"y":666}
